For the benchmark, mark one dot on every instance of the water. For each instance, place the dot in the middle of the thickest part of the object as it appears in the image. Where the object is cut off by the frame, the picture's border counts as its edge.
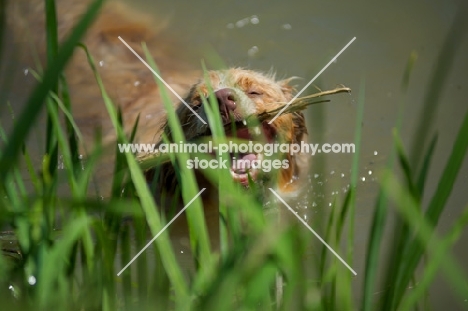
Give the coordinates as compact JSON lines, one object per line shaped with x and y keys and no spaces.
{"x":297,"y":38}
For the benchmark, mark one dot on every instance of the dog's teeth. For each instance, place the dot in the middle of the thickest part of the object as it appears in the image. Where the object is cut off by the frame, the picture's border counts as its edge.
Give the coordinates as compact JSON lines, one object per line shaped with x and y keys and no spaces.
{"x":244,"y":122}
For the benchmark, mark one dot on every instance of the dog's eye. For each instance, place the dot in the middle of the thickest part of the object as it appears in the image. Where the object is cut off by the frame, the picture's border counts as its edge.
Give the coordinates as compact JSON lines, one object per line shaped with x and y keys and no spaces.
{"x":254,"y":93}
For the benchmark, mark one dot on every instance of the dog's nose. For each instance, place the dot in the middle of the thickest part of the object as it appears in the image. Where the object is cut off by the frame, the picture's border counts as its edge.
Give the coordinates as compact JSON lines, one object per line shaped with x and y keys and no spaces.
{"x":226,"y":99}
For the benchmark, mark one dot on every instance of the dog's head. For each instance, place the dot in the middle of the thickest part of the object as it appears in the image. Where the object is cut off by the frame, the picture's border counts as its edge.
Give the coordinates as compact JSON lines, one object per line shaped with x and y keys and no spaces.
{"x":242,"y":93}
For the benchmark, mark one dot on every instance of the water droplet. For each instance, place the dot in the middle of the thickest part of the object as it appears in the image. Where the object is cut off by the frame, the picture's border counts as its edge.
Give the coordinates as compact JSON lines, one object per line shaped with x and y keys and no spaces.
{"x":254,"y":19}
{"x":241,"y":23}
{"x":316,"y":175}
{"x":342,"y":175}
{"x":370,"y":172}
{"x":101,"y":63}
{"x":376,"y":153}
{"x":32,"y":280}
{"x":26,"y":71}
{"x":181,"y":252}
{"x":60,"y":164}
{"x":252,"y":51}
{"x":332,"y":172}
{"x":286,"y":26}
{"x":13,"y":291}
{"x":230,"y":26}
{"x":137,"y":83}
{"x":363,"y":178}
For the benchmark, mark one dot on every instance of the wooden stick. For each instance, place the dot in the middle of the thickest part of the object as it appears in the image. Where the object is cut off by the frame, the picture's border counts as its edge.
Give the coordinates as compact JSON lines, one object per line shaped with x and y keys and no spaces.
{"x":300,"y":103}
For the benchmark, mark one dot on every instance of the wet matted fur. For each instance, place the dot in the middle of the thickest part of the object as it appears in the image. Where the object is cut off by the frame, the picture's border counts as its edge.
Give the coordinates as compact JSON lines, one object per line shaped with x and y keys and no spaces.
{"x":239,"y":93}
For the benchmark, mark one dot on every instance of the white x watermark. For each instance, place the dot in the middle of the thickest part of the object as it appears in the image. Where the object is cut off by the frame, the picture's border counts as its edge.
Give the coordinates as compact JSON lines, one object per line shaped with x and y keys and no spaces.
{"x":312,"y":230}
{"x":160,"y":232}
{"x":201,"y":119}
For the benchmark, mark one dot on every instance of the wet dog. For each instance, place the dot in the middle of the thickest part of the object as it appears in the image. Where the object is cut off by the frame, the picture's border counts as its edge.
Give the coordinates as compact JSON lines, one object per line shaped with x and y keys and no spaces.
{"x":239,"y":94}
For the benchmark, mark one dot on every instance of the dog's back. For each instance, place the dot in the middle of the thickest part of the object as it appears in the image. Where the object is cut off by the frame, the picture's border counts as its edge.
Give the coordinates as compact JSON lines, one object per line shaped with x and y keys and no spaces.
{"x":130,"y":84}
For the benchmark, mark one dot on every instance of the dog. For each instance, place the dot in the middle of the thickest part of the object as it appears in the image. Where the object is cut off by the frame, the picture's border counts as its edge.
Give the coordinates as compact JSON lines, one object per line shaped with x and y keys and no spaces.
{"x":240,"y":93}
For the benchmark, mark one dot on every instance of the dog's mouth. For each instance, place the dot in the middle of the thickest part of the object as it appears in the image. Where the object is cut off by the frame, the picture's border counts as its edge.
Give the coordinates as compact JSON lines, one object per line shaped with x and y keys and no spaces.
{"x":245,"y":165}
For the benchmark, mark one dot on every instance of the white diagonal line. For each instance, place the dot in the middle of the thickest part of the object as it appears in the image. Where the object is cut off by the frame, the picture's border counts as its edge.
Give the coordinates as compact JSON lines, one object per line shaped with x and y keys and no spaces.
{"x":312,"y":230}
{"x":160,"y":232}
{"x":313,"y":79}
{"x":159,"y":77}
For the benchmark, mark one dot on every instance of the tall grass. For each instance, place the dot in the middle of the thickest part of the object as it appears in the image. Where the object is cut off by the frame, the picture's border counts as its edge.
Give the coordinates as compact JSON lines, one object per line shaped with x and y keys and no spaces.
{"x":261,"y":264}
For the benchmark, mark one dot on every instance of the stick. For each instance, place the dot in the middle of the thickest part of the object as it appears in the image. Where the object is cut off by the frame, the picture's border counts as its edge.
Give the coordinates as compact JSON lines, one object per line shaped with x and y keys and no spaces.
{"x":149,"y":160}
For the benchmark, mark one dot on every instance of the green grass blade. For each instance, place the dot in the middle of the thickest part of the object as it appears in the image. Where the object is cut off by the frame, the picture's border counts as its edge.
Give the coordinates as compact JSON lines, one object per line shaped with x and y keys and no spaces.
{"x":402,"y":237}
{"x":373,"y":248}
{"x":51,"y":35}
{"x":404,"y":164}
{"x":63,"y":144}
{"x":421,"y":180}
{"x":86,"y":174}
{"x":52,"y":50}
{"x":195,"y":215}
{"x":74,"y":134}
{"x":214,"y":120}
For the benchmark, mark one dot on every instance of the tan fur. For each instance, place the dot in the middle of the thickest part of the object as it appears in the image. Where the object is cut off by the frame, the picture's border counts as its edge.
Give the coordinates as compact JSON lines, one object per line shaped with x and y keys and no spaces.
{"x":256,"y":92}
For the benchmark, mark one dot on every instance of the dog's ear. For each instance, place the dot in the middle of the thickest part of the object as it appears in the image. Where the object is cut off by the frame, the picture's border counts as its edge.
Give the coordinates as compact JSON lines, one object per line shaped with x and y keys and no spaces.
{"x":287,"y":87}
